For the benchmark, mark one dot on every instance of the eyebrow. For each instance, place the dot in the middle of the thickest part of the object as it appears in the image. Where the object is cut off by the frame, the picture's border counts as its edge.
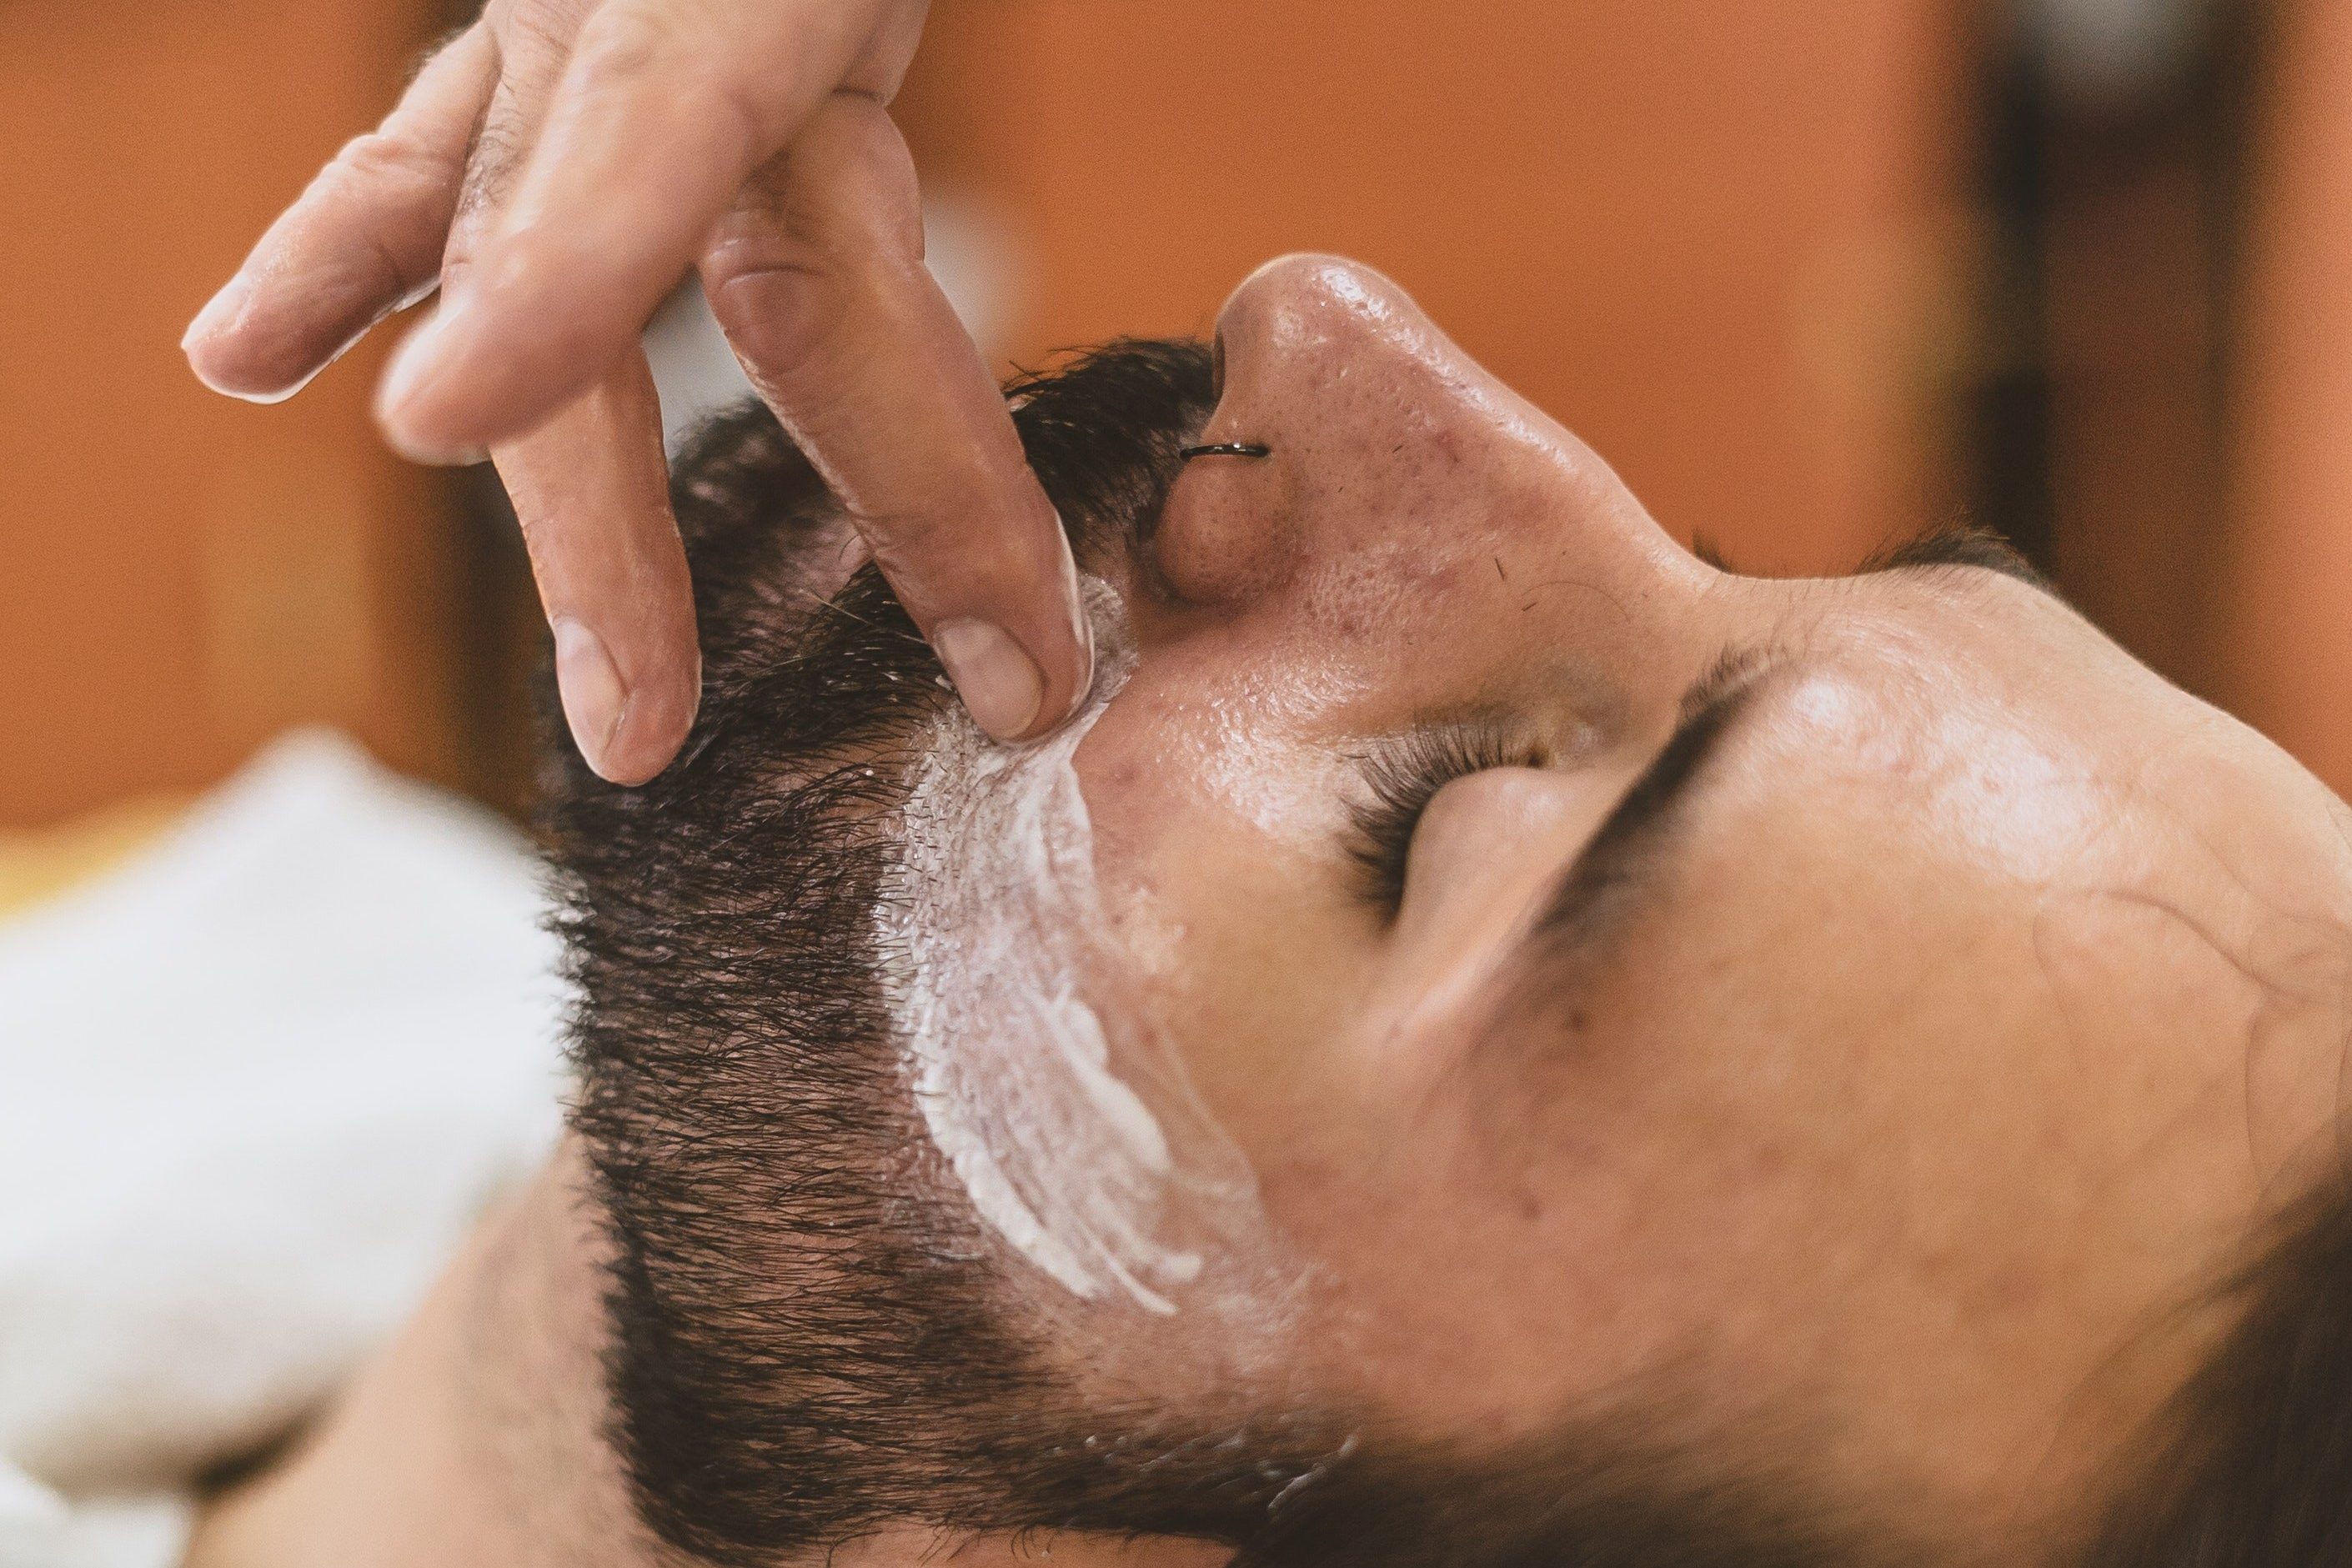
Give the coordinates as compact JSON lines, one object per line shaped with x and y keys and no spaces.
{"x":1960,"y":545}
{"x":1632,"y":836}
{"x":1635,"y":836}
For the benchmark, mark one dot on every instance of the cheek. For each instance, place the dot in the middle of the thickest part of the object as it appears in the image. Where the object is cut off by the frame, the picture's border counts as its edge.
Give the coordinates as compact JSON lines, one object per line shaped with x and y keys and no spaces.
{"x":1495,"y":1284}
{"x":1222,"y":726}
{"x":1551,"y":1239}
{"x":1225,"y":901}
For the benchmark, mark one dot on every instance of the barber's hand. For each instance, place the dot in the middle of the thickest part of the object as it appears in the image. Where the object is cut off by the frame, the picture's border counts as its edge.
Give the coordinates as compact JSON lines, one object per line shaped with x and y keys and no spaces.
{"x":556,"y":169}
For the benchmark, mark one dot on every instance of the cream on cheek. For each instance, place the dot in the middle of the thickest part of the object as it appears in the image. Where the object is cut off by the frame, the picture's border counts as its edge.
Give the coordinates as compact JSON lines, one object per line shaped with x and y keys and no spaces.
{"x":1074,"y":1130}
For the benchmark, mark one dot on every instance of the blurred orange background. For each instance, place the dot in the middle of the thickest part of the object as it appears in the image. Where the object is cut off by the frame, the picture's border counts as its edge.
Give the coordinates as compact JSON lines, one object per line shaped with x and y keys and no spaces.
{"x":1810,"y":277}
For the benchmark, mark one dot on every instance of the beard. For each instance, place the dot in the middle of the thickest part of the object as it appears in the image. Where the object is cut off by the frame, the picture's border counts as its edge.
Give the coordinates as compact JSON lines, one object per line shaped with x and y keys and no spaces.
{"x":811,"y":1338}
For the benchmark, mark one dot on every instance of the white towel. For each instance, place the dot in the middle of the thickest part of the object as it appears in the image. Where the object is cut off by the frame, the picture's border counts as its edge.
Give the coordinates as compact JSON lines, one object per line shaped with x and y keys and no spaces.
{"x":254,"y":1087}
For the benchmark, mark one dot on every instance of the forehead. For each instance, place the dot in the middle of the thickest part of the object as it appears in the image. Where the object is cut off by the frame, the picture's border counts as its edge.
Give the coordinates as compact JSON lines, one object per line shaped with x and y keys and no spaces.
{"x":1963,"y":709}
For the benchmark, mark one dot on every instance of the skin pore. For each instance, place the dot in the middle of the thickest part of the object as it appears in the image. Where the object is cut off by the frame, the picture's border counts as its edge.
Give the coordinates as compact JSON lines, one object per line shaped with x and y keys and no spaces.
{"x":1840,"y":1024}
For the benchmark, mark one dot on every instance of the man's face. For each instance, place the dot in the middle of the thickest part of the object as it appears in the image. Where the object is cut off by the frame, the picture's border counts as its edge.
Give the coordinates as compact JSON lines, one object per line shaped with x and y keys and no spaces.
{"x":1683,"y":1030}
{"x":1943,"y":1006}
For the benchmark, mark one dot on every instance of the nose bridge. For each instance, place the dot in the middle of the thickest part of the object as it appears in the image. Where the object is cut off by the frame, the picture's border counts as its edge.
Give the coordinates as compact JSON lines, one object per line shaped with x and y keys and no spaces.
{"x":1377,"y":411}
{"x":1395,"y":457}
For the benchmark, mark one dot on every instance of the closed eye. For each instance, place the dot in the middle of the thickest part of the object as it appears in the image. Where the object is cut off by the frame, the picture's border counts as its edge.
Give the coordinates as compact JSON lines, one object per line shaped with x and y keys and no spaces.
{"x":1401,"y":775}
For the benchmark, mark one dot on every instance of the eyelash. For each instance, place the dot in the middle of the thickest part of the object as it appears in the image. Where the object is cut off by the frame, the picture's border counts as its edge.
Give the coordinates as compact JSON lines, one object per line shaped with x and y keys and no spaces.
{"x":1404,"y":777}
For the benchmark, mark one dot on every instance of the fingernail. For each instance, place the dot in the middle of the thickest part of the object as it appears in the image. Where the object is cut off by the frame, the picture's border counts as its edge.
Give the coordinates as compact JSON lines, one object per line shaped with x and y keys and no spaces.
{"x":998,"y":681}
{"x":219,"y":312}
{"x":594,"y":697}
{"x":416,"y":365}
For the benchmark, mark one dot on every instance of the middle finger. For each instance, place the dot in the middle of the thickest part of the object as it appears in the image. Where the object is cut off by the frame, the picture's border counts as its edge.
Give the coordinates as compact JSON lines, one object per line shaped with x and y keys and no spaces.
{"x":532,"y":51}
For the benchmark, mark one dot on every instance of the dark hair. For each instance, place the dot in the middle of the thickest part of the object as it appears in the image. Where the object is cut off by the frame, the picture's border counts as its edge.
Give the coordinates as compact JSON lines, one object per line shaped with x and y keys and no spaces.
{"x":810,"y":1340}
{"x":2251,"y":1465}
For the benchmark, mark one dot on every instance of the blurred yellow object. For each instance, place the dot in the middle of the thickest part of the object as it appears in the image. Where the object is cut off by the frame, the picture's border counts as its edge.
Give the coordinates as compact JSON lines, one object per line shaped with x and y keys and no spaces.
{"x":39,"y":864}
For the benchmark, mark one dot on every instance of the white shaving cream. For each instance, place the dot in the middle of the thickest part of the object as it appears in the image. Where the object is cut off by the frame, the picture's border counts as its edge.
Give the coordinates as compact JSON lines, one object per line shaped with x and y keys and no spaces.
{"x":1082,"y":1146}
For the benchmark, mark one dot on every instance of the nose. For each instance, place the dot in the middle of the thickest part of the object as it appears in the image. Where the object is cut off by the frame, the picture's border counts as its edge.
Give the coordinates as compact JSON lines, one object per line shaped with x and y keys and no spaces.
{"x":1398,"y":467}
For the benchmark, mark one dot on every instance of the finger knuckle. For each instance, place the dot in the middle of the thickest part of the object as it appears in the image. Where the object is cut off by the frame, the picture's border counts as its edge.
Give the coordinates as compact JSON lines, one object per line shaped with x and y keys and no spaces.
{"x":850,"y":186}
{"x":946,"y":522}
{"x":623,"y":42}
{"x":749,"y":261}
{"x":384,"y":156}
{"x":909,"y":545}
{"x":626,"y":46}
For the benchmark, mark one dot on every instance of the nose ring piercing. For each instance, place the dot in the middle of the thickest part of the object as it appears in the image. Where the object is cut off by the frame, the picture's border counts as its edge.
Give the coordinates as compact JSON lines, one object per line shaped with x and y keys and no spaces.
{"x":1224,"y":449}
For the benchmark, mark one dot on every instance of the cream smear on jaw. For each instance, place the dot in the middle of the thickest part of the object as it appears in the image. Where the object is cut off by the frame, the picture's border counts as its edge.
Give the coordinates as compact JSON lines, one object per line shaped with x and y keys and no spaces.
{"x":1081,"y":1143}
